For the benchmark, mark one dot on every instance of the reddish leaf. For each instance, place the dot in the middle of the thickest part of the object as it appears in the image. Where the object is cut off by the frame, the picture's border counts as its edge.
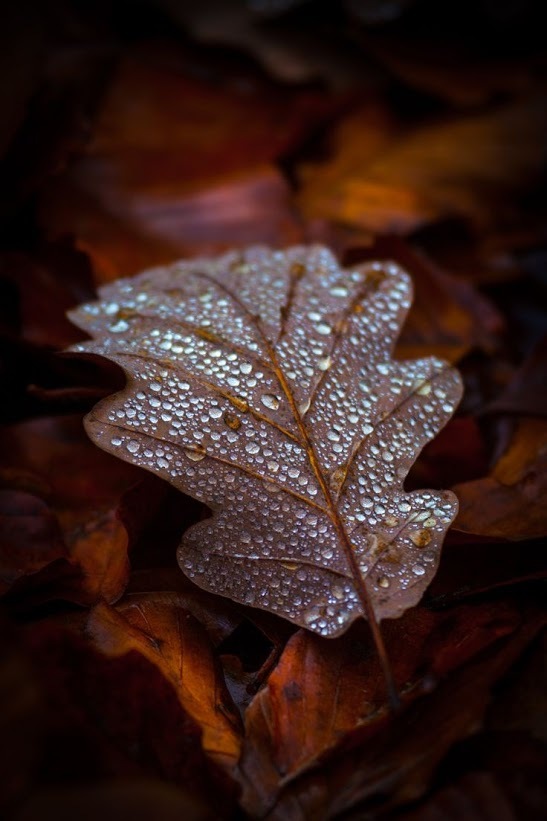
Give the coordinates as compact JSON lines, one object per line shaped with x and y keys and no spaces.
{"x":389,"y":761}
{"x":160,"y":629}
{"x":178,"y":165}
{"x":510,"y":502}
{"x":99,"y":549}
{"x":319,"y":693}
{"x":114,"y":718}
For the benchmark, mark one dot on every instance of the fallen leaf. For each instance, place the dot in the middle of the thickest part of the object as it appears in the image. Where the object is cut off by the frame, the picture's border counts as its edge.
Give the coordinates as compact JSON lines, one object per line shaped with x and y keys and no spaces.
{"x":263,"y":382}
{"x":113,"y":718}
{"x":56,"y":455}
{"x":319,"y":693}
{"x":448,"y":317}
{"x":161,"y":630}
{"x":99,"y":548}
{"x":179,"y":165}
{"x":509,"y":503}
{"x":389,"y":762}
{"x":463,"y":166}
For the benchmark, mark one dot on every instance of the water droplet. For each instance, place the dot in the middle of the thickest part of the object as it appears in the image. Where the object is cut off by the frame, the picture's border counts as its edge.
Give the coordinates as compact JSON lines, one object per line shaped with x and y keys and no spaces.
{"x":245,"y":367}
{"x":252,"y":448}
{"x":418,"y":570}
{"x":116,"y":441}
{"x":269,"y":400}
{"x":311,"y":615}
{"x":383,"y":581}
{"x":155,"y":386}
{"x":324,"y":363}
{"x":338,"y":290}
{"x":304,"y":407}
{"x":323,"y":329}
{"x":195,"y":455}
{"x":425,"y":389}
{"x":273,"y":466}
{"x":119,"y":327}
{"x":314,"y":316}
{"x":333,"y":435}
{"x":133,"y":446}
{"x":215,"y":413}
{"x":294,"y":473}
{"x":421,"y":538}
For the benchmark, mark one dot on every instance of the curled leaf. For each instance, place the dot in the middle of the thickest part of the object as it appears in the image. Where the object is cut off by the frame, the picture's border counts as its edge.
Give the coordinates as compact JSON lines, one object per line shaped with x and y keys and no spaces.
{"x":263,"y":384}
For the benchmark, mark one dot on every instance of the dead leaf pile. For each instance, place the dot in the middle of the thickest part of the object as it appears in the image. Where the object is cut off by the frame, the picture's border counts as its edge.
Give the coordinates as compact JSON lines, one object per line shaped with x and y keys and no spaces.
{"x":133,"y":135}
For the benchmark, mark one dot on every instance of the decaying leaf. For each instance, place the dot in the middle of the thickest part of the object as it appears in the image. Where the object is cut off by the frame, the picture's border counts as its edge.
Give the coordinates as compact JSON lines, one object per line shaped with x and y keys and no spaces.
{"x":262,"y":383}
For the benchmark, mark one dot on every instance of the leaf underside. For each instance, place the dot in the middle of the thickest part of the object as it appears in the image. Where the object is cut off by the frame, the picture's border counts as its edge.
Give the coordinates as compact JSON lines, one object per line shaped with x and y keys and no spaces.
{"x":262,"y":383}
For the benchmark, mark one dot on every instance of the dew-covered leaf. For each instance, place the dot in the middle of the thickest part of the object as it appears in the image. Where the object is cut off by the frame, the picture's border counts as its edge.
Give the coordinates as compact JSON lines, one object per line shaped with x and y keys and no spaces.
{"x":262,"y":383}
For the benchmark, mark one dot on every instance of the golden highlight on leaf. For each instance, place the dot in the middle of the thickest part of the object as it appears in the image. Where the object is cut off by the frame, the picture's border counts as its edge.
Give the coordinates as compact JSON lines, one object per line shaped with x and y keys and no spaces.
{"x":289,"y":418}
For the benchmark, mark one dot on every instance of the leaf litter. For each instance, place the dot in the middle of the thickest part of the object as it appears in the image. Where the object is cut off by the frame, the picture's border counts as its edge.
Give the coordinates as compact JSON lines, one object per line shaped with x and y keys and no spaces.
{"x":86,"y":732}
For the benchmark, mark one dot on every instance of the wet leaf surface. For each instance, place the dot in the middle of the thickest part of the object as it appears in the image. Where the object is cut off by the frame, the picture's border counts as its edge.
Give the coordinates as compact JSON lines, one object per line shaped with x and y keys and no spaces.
{"x":284,"y":417}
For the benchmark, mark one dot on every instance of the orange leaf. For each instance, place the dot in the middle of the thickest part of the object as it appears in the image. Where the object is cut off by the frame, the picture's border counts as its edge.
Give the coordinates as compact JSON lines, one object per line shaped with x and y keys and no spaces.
{"x":159,"y":628}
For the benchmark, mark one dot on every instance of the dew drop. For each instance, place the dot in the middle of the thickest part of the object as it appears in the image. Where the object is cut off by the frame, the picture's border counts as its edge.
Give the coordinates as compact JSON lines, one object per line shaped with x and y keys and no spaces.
{"x":133,"y":446}
{"x":421,"y":538}
{"x":269,"y":400}
{"x":324,"y":363}
{"x":252,"y":448}
{"x":119,"y":327}
{"x":116,"y":441}
{"x":323,"y":329}
{"x":383,"y":581}
{"x":194,"y":455}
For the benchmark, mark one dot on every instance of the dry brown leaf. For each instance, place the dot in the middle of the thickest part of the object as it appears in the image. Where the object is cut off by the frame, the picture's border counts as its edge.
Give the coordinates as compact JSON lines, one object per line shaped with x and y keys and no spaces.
{"x":262,"y":384}
{"x":510,"y":502}
{"x":159,"y":628}
{"x":317,"y":695}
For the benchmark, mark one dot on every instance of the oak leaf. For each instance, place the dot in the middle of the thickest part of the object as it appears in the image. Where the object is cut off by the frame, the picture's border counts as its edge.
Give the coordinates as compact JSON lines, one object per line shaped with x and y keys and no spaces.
{"x":262,"y":384}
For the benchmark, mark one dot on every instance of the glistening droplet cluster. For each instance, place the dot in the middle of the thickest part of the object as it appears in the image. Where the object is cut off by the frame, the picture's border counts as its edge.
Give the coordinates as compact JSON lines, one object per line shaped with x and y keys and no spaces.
{"x":262,"y":383}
